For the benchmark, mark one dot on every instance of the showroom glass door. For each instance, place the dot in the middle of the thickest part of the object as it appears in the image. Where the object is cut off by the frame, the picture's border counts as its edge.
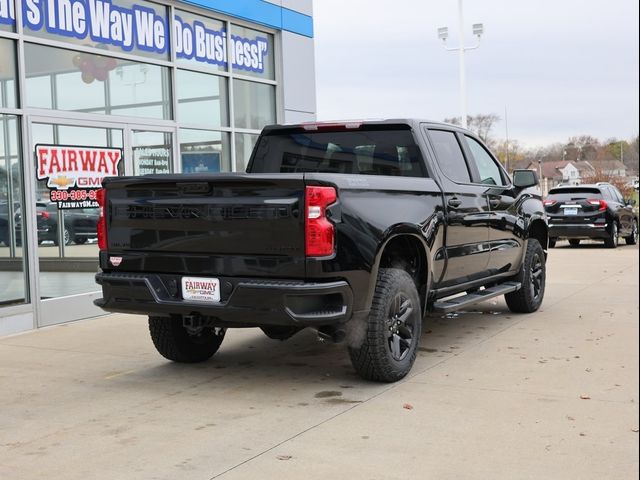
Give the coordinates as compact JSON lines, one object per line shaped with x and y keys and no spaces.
{"x":69,"y":162}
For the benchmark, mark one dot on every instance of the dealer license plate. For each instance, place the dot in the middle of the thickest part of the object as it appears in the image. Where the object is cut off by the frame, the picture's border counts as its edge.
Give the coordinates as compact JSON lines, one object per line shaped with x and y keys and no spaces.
{"x":570,"y":211}
{"x":201,"y":289}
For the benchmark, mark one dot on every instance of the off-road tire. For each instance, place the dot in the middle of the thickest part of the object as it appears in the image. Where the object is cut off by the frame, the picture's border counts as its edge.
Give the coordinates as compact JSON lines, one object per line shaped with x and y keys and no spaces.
{"x":574,"y":242}
{"x":173,"y":342}
{"x":375,"y":358}
{"x":612,"y":240}
{"x":633,"y":238}
{"x":529,"y":298}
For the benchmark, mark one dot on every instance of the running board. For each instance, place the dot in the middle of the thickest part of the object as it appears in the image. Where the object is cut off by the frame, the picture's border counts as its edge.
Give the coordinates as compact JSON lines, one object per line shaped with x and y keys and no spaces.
{"x":447,"y":306}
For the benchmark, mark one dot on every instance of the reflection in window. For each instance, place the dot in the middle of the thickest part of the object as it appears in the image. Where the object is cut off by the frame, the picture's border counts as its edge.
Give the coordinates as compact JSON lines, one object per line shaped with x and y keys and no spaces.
{"x":66,"y":80}
{"x":487,"y":167}
{"x":254,"y":104}
{"x":12,"y":277}
{"x":202,"y":151}
{"x":244,"y":146}
{"x":202,"y":99}
{"x":8,"y":94}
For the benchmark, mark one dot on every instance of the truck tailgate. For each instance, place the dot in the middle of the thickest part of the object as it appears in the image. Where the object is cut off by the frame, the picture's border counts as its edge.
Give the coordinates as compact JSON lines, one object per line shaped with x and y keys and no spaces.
{"x":231,"y":224}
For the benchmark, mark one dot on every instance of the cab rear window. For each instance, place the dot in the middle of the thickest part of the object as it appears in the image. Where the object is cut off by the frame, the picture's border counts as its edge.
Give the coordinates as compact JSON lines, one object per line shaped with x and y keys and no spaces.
{"x":365,"y":152}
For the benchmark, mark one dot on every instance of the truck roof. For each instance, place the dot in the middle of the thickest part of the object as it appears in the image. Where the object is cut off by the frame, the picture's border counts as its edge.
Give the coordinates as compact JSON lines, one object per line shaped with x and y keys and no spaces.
{"x":358,"y":123}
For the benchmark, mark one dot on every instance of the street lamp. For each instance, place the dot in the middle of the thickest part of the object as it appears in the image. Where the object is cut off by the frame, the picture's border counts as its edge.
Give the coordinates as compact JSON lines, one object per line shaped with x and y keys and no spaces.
{"x":443,"y":34}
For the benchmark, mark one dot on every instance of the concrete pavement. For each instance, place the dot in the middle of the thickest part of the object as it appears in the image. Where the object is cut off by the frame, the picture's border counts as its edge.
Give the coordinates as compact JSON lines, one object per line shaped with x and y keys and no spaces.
{"x":496,"y":395}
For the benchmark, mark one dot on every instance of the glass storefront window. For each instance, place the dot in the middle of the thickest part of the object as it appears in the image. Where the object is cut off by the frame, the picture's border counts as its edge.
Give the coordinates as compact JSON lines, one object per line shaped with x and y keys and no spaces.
{"x":244,"y":146}
{"x":252,"y":53}
{"x":12,"y":265}
{"x":152,"y":152}
{"x":202,"y":99}
{"x":7,"y":16}
{"x":136,"y":27}
{"x":66,"y":80}
{"x":8,"y":93}
{"x":254,"y":104}
{"x":200,"y":41}
{"x":203,"y":151}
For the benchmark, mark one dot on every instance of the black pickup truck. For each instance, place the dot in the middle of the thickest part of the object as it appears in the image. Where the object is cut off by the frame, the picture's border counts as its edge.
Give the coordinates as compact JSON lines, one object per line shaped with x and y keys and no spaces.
{"x":354,"y":229}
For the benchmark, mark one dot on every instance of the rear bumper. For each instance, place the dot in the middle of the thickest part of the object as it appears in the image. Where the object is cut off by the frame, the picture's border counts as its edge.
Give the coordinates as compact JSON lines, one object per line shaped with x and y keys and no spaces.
{"x":587,"y":230}
{"x":244,"y":302}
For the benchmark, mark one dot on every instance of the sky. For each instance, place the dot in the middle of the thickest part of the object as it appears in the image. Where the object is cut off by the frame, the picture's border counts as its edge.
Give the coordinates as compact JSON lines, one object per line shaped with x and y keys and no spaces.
{"x":559,"y":67}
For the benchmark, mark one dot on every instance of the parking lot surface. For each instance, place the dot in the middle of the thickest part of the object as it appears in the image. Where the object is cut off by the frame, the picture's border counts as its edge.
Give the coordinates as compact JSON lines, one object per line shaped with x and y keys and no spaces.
{"x":496,"y":395}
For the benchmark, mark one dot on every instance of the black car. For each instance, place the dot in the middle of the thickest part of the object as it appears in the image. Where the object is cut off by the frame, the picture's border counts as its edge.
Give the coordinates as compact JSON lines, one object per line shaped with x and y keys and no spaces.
{"x":79,"y":224}
{"x":596,"y":211}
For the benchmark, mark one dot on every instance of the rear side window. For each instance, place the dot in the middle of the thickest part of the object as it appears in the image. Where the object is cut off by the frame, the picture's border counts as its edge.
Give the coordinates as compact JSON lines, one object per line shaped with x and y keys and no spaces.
{"x":367,"y":152}
{"x":487,"y":168}
{"x":449,"y":156}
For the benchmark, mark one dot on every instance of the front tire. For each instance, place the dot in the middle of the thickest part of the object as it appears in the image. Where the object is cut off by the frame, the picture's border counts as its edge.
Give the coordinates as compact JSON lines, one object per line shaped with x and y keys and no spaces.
{"x":174,"y":342}
{"x":552,"y":242}
{"x":393,"y":329}
{"x":532,"y":276}
{"x":633,"y":238}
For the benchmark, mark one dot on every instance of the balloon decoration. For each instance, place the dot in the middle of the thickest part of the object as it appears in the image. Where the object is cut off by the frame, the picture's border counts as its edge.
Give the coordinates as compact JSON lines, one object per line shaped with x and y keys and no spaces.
{"x":94,"y":67}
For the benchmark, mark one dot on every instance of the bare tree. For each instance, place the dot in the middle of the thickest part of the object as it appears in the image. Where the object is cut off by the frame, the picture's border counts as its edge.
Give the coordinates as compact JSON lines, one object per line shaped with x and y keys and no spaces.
{"x":480,"y":124}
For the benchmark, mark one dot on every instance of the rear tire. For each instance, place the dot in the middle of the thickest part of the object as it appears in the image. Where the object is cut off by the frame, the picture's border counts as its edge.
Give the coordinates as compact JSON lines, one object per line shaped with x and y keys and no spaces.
{"x":574,"y":242}
{"x":393,"y":329}
{"x":174,"y":342}
{"x":633,"y":238}
{"x":532,"y":276}
{"x":612,"y":240}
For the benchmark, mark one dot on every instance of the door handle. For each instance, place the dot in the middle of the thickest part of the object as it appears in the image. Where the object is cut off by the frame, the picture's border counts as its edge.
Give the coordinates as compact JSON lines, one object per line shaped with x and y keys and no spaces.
{"x":454,"y":202}
{"x":495,"y":202}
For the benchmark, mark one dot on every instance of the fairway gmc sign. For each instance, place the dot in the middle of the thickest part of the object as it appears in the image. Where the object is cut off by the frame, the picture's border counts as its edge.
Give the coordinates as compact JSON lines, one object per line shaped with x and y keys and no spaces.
{"x":74,"y":173}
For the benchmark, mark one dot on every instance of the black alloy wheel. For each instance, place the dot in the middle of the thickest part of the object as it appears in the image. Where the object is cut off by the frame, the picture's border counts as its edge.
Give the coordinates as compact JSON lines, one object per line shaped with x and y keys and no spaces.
{"x":400,"y":327}
{"x":536,"y":273}
{"x":532,"y":277}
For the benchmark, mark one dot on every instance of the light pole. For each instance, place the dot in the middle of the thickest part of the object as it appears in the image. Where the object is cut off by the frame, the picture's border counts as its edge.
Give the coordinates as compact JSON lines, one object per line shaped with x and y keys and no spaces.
{"x":443,"y":34}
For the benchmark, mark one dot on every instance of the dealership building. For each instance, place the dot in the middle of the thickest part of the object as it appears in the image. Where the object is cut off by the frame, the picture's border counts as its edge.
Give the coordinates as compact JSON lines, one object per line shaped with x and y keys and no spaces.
{"x":90,"y":88}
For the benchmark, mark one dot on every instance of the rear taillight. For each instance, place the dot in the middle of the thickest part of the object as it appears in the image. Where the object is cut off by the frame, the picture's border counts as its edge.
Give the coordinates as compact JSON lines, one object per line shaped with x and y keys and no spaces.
{"x":45,"y":215}
{"x":601,"y":204}
{"x":548,"y":203}
{"x":319,"y":232}
{"x":101,"y":197}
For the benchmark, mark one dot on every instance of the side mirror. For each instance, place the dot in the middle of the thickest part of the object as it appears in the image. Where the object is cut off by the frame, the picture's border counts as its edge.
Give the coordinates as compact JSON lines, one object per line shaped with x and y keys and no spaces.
{"x":525,"y":178}
{"x":631,"y":201}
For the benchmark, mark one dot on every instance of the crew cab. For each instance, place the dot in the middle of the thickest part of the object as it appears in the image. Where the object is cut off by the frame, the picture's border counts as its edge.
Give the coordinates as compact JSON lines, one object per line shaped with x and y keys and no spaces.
{"x":355,"y":229}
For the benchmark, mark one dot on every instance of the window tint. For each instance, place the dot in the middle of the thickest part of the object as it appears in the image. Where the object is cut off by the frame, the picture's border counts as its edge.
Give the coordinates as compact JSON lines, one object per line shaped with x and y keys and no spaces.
{"x":369,"y":152}
{"x":488,"y":169}
{"x":617,"y":196}
{"x":450,"y":156}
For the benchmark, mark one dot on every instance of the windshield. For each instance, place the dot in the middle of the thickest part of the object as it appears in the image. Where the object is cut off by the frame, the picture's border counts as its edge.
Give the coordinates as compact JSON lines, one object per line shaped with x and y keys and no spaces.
{"x":367,"y":152}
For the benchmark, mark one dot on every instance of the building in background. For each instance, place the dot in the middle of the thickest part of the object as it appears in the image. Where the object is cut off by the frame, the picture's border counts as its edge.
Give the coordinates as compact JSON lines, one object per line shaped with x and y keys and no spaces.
{"x":96,"y":87}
